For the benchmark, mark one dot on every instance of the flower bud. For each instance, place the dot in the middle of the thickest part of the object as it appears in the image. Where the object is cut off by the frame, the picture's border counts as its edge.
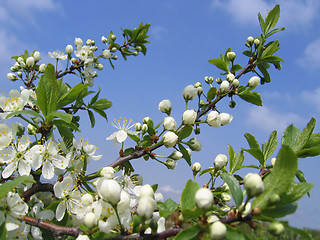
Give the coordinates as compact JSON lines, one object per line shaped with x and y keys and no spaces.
{"x":146,"y":207}
{"x":273,"y":199}
{"x":204,"y":198}
{"x":232,"y":104}
{"x":213,"y":119}
{"x":11,"y":76}
{"x":197,"y":84}
{"x":90,"y":220}
{"x":189,"y":117}
{"x":218,"y":230}
{"x":42,"y":68}
{"x":113,"y":37}
{"x":202,"y":103}
{"x":32,"y":130}
{"x":124,"y":203}
{"x":69,"y":49}
{"x":256,"y":42}
{"x":135,"y":53}
{"x":144,"y":128}
{"x":169,"y":123}
{"x":114,"y":49}
{"x":165,"y":106}
{"x":106,"y":54}
{"x":235,"y":83}
{"x":220,"y":161}
{"x":78,"y":42}
{"x":137,"y":127}
{"x":231,"y":56}
{"x":139,"y":48}
{"x":104,"y":39}
{"x":225,"y":118}
{"x":226,"y":197}
{"x":176,"y":155}
{"x":230,"y":77}
{"x":146,"y":190}
{"x":99,"y":66}
{"x":250,"y":40}
{"x":208,"y":80}
{"x":170,"y":139}
{"x":109,"y":190}
{"x":273,"y":161}
{"x":189,"y":151}
{"x":36,"y":56}
{"x":171,"y":164}
{"x":107,"y":172}
{"x":89,"y":42}
{"x":87,"y":199}
{"x":189,"y":92}
{"x":146,"y":120}
{"x":19,"y":74}
{"x":276,"y":228}
{"x":82,"y":237}
{"x":195,"y":144}
{"x":224,"y":86}
{"x":253,"y":184}
{"x":219,"y":80}
{"x":254,"y":81}
{"x":115,"y":57}
{"x":21,"y":62}
{"x":199,"y":90}
{"x":212,"y":218}
{"x":196,"y":167}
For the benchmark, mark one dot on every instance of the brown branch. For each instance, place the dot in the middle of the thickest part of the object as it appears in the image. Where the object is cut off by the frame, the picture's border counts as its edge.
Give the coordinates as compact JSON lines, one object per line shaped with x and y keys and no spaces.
{"x":37,"y":187}
{"x":58,"y":231}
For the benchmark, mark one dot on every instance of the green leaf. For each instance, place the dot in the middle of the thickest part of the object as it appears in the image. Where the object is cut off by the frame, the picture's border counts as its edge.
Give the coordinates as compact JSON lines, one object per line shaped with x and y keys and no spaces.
{"x":185,"y":153}
{"x":297,"y":191}
{"x":134,"y":137}
{"x":92,"y":119}
{"x":187,"y":199}
{"x":8,"y":186}
{"x":167,"y":208}
{"x":236,"y":162}
{"x":262,"y":23}
{"x":236,"y":68}
{"x":233,"y":234}
{"x":47,"y":92}
{"x":211,"y":93}
{"x":185,"y":132}
{"x":251,"y":97}
{"x":256,"y":153}
{"x":290,"y":136}
{"x":271,"y":49}
{"x":263,"y":66}
{"x":305,"y":135}
{"x":66,"y":117}
{"x":101,"y":104}
{"x":71,"y":95}
{"x":65,"y":124}
{"x":281,"y":177}
{"x":219,"y":63}
{"x":253,"y":143}
{"x":308,"y":152}
{"x":3,"y":231}
{"x":234,"y":187}
{"x":190,"y":233}
{"x":232,"y":155}
{"x":274,"y":31}
{"x":95,"y":97}
{"x":305,"y":235}
{"x":272,"y":18}
{"x":270,"y":146}
{"x":280,"y":211}
{"x":17,"y":113}
{"x":101,"y":113}
{"x":65,"y":132}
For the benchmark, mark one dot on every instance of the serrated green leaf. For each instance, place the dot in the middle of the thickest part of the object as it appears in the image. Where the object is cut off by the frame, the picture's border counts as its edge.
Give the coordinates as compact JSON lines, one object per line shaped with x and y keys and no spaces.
{"x":167,"y":208}
{"x":134,"y":137}
{"x":234,"y":187}
{"x":102,"y":104}
{"x":290,"y":136}
{"x":247,"y":53}
{"x":211,"y":93}
{"x":280,"y":211}
{"x":251,"y":97}
{"x":305,"y":135}
{"x":91,"y":117}
{"x":190,"y":233}
{"x":275,"y":31}
{"x":253,"y":143}
{"x":71,"y":95}
{"x":71,"y":125}
{"x":308,"y":152}
{"x":256,"y":153}
{"x":101,"y":113}
{"x":66,"y":117}
{"x":185,"y":132}
{"x":235,"y":68}
{"x":95,"y":97}
{"x":219,"y":63}
{"x":237,"y":162}
{"x":262,"y":23}
{"x":187,"y":199}
{"x":8,"y":186}
{"x":270,"y":146}
{"x":272,"y":18}
{"x":263,"y":69}
{"x":280,"y":178}
{"x":271,"y":49}
{"x":185,"y":153}
{"x":297,"y":191}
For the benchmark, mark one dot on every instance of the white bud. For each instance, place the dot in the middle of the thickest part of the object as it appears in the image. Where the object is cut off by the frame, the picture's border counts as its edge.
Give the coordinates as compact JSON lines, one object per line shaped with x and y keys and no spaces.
{"x":220,"y":161}
{"x":195,"y":144}
{"x":146,"y":207}
{"x":146,"y":190}
{"x":42,"y":68}
{"x":250,"y":40}
{"x":36,"y":56}
{"x":213,"y":119}
{"x":218,"y":230}
{"x":230,"y":77}
{"x":11,"y":76}
{"x":146,"y":120}
{"x":273,"y":161}
{"x":224,"y":86}
{"x":226,"y":197}
{"x":256,"y":42}
{"x":137,"y":127}
{"x":107,"y":172}
{"x":104,"y":39}
{"x":87,"y":199}
{"x":204,"y":198}
{"x":276,"y":228}
{"x":165,"y":106}
{"x":189,"y":92}
{"x":225,"y":118}
{"x":189,"y":117}
{"x":109,"y":190}
{"x":69,"y":49}
{"x":199,"y":90}
{"x":89,"y":42}
{"x":253,"y":184}
{"x":196,"y":167}
{"x":235,"y":83}
{"x":169,"y":123}
{"x":99,"y":66}
{"x":212,"y":218}
{"x":170,"y":139}
{"x":90,"y":220}
{"x":32,"y":130}
{"x":82,"y":237}
{"x":106,"y":54}
{"x":78,"y":42}
{"x":189,"y":151}
{"x":231,"y":56}
{"x":30,"y":62}
{"x":144,"y":128}
{"x":176,"y":155}
{"x":254,"y":81}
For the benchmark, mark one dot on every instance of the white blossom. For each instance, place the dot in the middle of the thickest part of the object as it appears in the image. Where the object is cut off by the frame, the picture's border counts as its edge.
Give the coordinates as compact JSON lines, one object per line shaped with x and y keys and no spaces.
{"x":253,"y":184}
{"x":204,"y":198}
{"x":170,"y":139}
{"x":189,"y":117}
{"x":213,"y":119}
{"x":121,"y":135}
{"x":169,"y":123}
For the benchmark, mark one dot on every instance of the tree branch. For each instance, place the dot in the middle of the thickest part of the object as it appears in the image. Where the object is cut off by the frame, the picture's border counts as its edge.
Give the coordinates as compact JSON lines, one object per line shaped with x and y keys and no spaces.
{"x":37,"y":187}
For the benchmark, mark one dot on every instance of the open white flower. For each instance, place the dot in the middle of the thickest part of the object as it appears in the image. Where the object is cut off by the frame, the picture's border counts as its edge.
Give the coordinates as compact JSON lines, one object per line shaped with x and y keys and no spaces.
{"x":121,"y":135}
{"x":58,"y":55}
{"x":15,"y":102}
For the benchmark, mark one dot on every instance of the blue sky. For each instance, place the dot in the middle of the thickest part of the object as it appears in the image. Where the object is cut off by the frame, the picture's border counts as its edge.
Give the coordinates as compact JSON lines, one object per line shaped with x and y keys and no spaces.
{"x":184,"y":35}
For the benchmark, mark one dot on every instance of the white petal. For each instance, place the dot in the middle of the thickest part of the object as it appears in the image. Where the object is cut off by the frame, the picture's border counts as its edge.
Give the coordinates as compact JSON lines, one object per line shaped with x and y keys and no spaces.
{"x":11,"y":226}
{"x":7,"y":172}
{"x":60,"y":162}
{"x":47,"y":170}
{"x":95,"y":157}
{"x":112,"y":136}
{"x":23,"y":143}
{"x":121,"y":136}
{"x":57,"y":188}
{"x":61,"y":209}
{"x":24,"y":168}
{"x":46,"y":215}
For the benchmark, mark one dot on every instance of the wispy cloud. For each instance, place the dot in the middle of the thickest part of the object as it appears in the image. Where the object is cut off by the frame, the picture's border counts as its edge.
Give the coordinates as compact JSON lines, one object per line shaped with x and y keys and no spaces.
{"x":264,"y":119}
{"x":312,"y":97}
{"x":294,"y":14}
{"x":169,"y":189}
{"x":311,"y":56}
{"x":157,"y":32}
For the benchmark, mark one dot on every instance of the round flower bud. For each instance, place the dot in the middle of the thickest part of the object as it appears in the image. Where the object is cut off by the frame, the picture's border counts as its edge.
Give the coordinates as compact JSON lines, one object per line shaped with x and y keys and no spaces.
{"x":231,"y":56}
{"x":169,"y":123}
{"x":36,"y":56}
{"x":139,"y":48}
{"x":87,"y":199}
{"x":273,"y":161}
{"x":230,"y":77}
{"x":42,"y":68}
{"x":212,"y":218}
{"x":107,"y":172}
{"x":202,"y":103}
{"x":106,"y":54}
{"x":189,"y":92}
{"x":137,"y":127}
{"x":189,"y":151}
{"x":109,"y":190}
{"x":256,"y":42}
{"x":32,"y":130}
{"x":30,"y":62}
{"x":197,"y":84}
{"x":196,"y":167}
{"x":253,"y":184}
{"x":115,"y":57}
{"x":225,"y":118}
{"x":273,"y":199}
{"x":276,"y":228}
{"x":218,"y":230}
{"x":69,"y":49}
{"x":171,"y":164}
{"x":146,"y":207}
{"x":104,"y":39}
{"x":135,"y":53}
{"x":189,"y":117}
{"x":232,"y":104}
{"x":78,"y":42}
{"x":170,"y":139}
{"x":235,"y":83}
{"x":195,"y":144}
{"x":204,"y":198}
{"x":21,"y":62}
{"x":113,"y":37}
{"x":114,"y":49}
{"x":213,"y":119}
{"x":146,"y":120}
{"x":226,"y":197}
{"x":219,"y":80}
{"x":176,"y":155}
{"x":144,"y":128}
{"x":199,"y":90}
{"x":19,"y":74}
{"x":224,"y":86}
{"x":146,"y":190}
{"x":11,"y":76}
{"x":89,"y":42}
{"x":82,"y":237}
{"x":90,"y":220}
{"x":220,"y":161}
{"x":99,"y":66}
{"x":250,"y":40}
{"x":254,"y":81}
{"x":165,"y":106}
{"x":208,"y":80}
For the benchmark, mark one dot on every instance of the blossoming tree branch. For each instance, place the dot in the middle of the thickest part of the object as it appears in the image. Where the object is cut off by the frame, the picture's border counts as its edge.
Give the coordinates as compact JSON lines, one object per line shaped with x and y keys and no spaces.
{"x":47,"y":193}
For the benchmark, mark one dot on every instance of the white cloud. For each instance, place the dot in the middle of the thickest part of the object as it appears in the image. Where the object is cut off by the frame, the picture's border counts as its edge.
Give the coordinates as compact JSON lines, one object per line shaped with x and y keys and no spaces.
{"x":312,"y":97}
{"x":265,"y":119}
{"x":157,"y":32}
{"x":169,"y":189}
{"x":311,"y":56}
{"x":294,"y":14}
